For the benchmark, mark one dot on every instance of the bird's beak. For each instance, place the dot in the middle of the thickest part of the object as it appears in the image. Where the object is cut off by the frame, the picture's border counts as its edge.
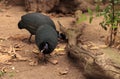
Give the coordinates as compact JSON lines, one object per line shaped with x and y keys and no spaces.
{"x":45,"y":47}
{"x":42,"y":50}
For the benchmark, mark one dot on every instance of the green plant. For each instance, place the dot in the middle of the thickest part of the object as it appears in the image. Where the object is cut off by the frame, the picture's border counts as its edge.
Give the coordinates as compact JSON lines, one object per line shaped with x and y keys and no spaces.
{"x":2,"y":73}
{"x":11,"y":74}
{"x":81,"y":19}
{"x":111,"y":18}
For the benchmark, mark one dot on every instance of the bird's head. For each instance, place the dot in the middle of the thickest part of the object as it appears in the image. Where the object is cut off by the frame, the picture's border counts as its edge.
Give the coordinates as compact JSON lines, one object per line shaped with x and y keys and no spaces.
{"x":20,"y":25}
{"x":44,"y":48}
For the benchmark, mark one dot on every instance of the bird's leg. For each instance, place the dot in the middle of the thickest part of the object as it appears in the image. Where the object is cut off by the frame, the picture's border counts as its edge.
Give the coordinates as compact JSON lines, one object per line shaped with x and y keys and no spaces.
{"x":30,"y":38}
{"x":41,"y":57}
{"x":44,"y":58}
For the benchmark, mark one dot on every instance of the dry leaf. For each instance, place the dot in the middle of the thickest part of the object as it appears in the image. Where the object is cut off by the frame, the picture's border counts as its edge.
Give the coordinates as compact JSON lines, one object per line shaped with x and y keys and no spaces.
{"x":18,"y":49}
{"x":4,"y":58}
{"x":17,"y":45}
{"x":19,"y":57}
{"x":84,"y":46}
{"x":91,"y":44}
{"x":3,"y":39}
{"x":54,"y":62}
{"x":13,"y":54}
{"x":103,"y":46}
{"x":33,"y":62}
{"x":59,"y":49}
{"x":11,"y":50}
{"x":94,"y":48}
{"x":64,"y":72}
{"x":35,"y":51}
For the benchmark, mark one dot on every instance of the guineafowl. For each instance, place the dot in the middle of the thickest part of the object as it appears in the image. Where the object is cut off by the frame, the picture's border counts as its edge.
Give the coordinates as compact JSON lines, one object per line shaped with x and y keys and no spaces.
{"x":46,"y":39}
{"x":32,"y":21}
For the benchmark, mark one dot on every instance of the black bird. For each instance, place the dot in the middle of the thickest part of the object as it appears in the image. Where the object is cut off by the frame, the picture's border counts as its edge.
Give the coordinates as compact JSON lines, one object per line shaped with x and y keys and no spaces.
{"x":46,"y":39}
{"x":32,"y":21}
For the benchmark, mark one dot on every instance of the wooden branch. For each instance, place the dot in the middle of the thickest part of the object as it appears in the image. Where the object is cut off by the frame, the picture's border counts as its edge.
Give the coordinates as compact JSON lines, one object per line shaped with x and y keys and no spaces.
{"x":72,"y":33}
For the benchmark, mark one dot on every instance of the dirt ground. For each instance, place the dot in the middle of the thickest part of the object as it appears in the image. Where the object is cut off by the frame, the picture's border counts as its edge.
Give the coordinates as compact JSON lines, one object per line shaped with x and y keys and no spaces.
{"x":12,"y":37}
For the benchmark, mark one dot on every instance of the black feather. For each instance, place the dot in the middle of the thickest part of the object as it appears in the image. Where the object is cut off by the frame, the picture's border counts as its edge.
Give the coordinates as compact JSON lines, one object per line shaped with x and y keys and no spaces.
{"x":46,"y":34}
{"x":32,"y":21}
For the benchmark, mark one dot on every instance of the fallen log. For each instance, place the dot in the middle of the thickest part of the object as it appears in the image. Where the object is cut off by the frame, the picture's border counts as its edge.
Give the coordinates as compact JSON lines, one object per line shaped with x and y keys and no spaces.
{"x":103,"y":64}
